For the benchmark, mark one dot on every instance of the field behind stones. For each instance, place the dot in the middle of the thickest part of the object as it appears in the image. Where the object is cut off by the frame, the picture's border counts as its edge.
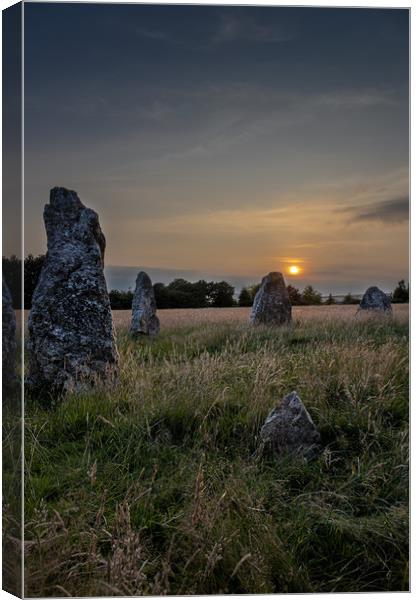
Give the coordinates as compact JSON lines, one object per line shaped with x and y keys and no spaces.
{"x":172,"y":317}
{"x":155,"y":486}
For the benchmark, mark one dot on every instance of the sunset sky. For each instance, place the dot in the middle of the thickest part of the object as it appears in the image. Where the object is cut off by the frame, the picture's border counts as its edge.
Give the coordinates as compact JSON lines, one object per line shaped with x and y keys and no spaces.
{"x":225,"y":142}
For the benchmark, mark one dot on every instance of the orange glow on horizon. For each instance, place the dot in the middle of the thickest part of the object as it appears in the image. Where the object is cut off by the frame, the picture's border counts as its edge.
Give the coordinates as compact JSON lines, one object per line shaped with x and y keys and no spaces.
{"x":294,"y":270}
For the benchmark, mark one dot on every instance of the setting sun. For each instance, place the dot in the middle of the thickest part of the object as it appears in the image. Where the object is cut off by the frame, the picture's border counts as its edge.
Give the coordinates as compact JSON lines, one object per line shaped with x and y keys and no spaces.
{"x":294,"y":270}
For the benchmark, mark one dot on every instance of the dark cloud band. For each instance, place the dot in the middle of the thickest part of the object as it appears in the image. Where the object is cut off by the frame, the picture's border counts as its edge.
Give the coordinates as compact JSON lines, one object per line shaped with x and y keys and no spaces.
{"x":395,"y":210}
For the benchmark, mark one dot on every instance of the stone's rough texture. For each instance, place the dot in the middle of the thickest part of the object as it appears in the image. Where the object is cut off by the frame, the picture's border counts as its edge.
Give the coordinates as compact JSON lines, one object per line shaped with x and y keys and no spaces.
{"x":144,"y":320}
{"x":71,"y":339}
{"x":271,"y":304}
{"x":9,"y":339}
{"x":289,"y":429}
{"x":375,"y":299}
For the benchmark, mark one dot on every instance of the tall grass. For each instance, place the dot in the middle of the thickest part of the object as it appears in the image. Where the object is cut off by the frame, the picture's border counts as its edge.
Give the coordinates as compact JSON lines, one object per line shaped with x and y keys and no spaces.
{"x":155,"y":486}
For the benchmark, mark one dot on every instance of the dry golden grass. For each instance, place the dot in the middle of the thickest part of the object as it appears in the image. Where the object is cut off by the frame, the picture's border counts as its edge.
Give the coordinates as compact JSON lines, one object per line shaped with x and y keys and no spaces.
{"x":176,"y":317}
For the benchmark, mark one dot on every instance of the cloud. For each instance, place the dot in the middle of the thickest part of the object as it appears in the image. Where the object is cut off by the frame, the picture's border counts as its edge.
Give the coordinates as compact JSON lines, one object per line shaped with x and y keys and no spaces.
{"x":233,"y":28}
{"x":395,"y":210}
{"x":355,"y":99}
{"x":234,"y":114}
{"x":194,"y":121}
{"x":230,"y":29}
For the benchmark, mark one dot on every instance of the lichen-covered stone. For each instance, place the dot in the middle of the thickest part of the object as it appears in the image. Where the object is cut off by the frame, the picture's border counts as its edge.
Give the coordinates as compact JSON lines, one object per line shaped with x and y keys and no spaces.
{"x":8,"y":338}
{"x":144,"y":320}
{"x":289,"y":429}
{"x":71,"y":338}
{"x":375,"y":299}
{"x":271,"y":304}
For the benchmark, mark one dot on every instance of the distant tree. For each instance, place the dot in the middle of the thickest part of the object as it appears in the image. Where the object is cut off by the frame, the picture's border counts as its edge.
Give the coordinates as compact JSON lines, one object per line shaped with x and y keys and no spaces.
{"x":349,"y":299}
{"x":221,"y":294}
{"x":330,"y":300}
{"x":311,"y":296}
{"x":247,"y":294}
{"x":253,"y":289}
{"x":180,"y":299}
{"x":120,"y":300}
{"x":161,"y":295}
{"x":245,"y":298}
{"x":294,"y":295}
{"x":181,"y":294}
{"x":200,"y":292}
{"x":401,"y":292}
{"x":181,"y":285}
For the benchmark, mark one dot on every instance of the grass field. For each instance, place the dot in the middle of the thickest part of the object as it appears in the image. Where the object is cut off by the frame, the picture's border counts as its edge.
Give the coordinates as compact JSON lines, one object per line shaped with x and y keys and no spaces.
{"x":154,"y":487}
{"x":176,"y":317}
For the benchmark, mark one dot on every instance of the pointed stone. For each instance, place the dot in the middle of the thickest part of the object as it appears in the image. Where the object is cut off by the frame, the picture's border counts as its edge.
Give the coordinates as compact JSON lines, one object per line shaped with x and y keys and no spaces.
{"x":8,"y":338}
{"x":144,"y":320}
{"x":289,"y":429}
{"x":71,"y":339}
{"x":271,"y":304}
{"x":375,"y":299}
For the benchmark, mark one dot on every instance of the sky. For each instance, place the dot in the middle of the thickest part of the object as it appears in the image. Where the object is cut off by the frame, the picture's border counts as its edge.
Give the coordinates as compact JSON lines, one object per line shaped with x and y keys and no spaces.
{"x":225,"y":142}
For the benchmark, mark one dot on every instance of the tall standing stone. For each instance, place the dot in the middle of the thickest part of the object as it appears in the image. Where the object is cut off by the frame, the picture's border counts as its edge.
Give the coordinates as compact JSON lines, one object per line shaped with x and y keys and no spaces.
{"x":375,"y":299}
{"x":71,"y":337}
{"x":144,"y":320}
{"x":289,"y":429}
{"x":8,"y":338}
{"x":271,"y":304}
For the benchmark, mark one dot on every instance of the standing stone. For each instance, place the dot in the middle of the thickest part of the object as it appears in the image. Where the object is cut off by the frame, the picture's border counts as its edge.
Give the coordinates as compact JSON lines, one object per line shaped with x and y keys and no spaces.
{"x":9,"y":339}
{"x":144,"y":320}
{"x":71,"y":337}
{"x":271,"y":304}
{"x":375,"y":299}
{"x":289,"y":429}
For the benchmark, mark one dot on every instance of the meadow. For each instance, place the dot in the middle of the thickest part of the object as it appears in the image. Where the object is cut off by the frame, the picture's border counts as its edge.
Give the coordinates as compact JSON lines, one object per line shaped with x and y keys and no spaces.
{"x":156,"y":487}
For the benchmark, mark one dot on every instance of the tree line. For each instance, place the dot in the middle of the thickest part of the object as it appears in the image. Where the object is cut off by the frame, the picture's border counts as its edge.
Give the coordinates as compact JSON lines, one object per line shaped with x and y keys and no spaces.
{"x":179,"y":293}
